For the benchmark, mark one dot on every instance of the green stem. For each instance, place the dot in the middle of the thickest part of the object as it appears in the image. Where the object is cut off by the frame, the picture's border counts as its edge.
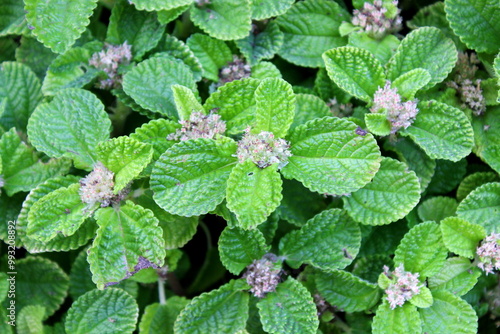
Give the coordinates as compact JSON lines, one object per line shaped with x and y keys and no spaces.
{"x":161,"y":290}
{"x":207,"y":234}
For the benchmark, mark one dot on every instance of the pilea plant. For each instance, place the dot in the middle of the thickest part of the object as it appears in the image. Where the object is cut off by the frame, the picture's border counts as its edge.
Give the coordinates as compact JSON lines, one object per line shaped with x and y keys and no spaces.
{"x":249,"y":166}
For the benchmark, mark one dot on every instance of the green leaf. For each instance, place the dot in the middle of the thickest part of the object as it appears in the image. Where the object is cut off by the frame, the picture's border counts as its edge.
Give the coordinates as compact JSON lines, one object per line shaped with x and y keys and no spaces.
{"x":72,"y":132}
{"x":186,"y":102}
{"x":422,"y":250}
{"x":378,"y":124}
{"x":263,"y":44}
{"x":308,"y":107}
{"x":12,"y":20}
{"x":108,"y":311}
{"x":486,"y":132}
{"x":447,"y":176}
{"x":457,"y":276}
{"x":355,"y":70}
{"x":472,"y":181}
{"x":58,"y":24}
{"x":264,"y":70}
{"x":125,"y":157}
{"x":212,"y":53}
{"x":224,"y":310}
{"x":30,"y":320}
{"x":290,"y":309}
{"x":401,"y":320}
{"x":238,"y":248}
{"x":20,"y":91}
{"x":128,"y":240}
{"x":213,"y":18}
{"x":391,"y":195}
{"x":482,"y":207}
{"x":382,"y":49}
{"x":155,"y":133}
{"x":477,"y":23}
{"x":275,"y":107}
{"x":149,"y":84}
{"x":448,"y":314}
{"x":426,"y":48}
{"x":409,"y":83}
{"x":190,"y":178}
{"x":442,"y":131}
{"x":34,"y":54}
{"x":265,"y":9}
{"x":423,"y":299}
{"x":154,"y":5}
{"x":305,"y":39}
{"x":437,"y":208}
{"x":168,"y":15}
{"x":346,"y":291}
{"x":328,"y":156}
{"x":330,"y":240}
{"x":160,"y":318}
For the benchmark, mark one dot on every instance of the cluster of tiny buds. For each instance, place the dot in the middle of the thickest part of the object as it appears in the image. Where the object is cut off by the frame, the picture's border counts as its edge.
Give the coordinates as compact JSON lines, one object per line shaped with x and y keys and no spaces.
{"x":339,"y":109}
{"x":400,"y":114}
{"x":108,"y":61}
{"x":199,"y":125}
{"x":375,"y":20}
{"x":234,"y":70}
{"x":97,"y":187}
{"x":263,"y":275}
{"x":489,"y":253}
{"x":263,"y":149}
{"x":405,"y":285}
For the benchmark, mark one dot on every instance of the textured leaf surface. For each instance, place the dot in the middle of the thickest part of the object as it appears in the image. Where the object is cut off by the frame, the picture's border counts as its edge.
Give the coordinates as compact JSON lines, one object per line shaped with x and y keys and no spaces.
{"x":97,"y":312}
{"x":308,"y":107}
{"x":224,"y":310}
{"x":263,"y":44}
{"x":330,"y":240}
{"x":128,"y":240}
{"x":264,"y":70}
{"x":437,"y":208}
{"x":305,"y":39}
{"x":378,"y":124}
{"x":382,"y":49}
{"x":34,"y":54}
{"x":457,"y":276}
{"x":346,"y":291}
{"x":30,"y":320}
{"x":160,"y":318}
{"x":190,"y":178}
{"x":290,"y":309}
{"x":71,"y":125}
{"x":186,"y":102}
{"x":409,"y":83}
{"x":155,"y":133}
{"x":152,"y":5}
{"x":355,"y":70}
{"x":238,"y":248}
{"x":476,"y":22}
{"x":422,"y":250}
{"x":427,"y":48}
{"x":402,"y":320}
{"x":264,"y":9}
{"x":472,"y":181}
{"x":168,"y":15}
{"x":12,"y":18}
{"x":482,"y":207}
{"x":391,"y":195}
{"x":212,"y":53}
{"x":58,"y":23}
{"x":442,"y":131}
{"x":487,"y":135}
{"x":328,"y":156}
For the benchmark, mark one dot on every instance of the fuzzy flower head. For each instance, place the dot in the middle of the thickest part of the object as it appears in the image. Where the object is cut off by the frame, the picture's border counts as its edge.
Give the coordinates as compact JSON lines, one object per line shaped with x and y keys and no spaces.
{"x":235,"y":70}
{"x":263,"y":275}
{"x":465,"y":68}
{"x":199,"y":125}
{"x":340,"y":109}
{"x":400,"y":114}
{"x":108,"y":61}
{"x":263,"y":149}
{"x":97,"y":187}
{"x":378,"y":19}
{"x":489,"y":253}
{"x":404,"y":286}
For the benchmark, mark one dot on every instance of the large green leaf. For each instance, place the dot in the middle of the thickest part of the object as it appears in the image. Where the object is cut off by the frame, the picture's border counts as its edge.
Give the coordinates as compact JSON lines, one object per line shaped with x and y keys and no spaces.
{"x":482,"y":207}
{"x":330,"y":240}
{"x":160,"y":318}
{"x":58,"y":23}
{"x":437,"y":208}
{"x":97,"y":312}
{"x":260,"y":45}
{"x":34,"y":54}
{"x":461,"y":237}
{"x":212,"y":53}
{"x":472,"y":181}
{"x":305,"y":39}
{"x":71,"y":125}
{"x":355,"y":70}
{"x":402,"y":320}
{"x":329,"y":156}
{"x":265,"y":9}
{"x":190,"y":178}
{"x":308,"y":107}
{"x":171,"y":46}
{"x":487,"y":135}
{"x":30,"y":320}
{"x":290,"y":309}
{"x":12,"y":18}
{"x":128,"y":240}
{"x":457,"y":276}
{"x":391,"y":195}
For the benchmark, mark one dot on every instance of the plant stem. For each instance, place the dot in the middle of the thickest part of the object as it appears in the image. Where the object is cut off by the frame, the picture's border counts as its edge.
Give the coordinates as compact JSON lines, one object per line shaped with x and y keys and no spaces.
{"x":161,"y":290}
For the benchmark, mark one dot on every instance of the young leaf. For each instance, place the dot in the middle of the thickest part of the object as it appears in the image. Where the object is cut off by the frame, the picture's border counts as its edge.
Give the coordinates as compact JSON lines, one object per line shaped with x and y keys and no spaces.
{"x":212,"y":53}
{"x":330,"y":240}
{"x":378,"y":124}
{"x":59,"y":130}
{"x":305,"y":39}
{"x":30,"y":320}
{"x":457,"y":276}
{"x":57,"y":24}
{"x":128,"y":240}
{"x":346,"y":291}
{"x":260,"y":45}
{"x":190,"y":178}
{"x":329,"y":156}
{"x":108,"y":311}
{"x":401,"y":320}
{"x":423,"y":299}
{"x":186,"y":102}
{"x":409,"y":83}
{"x":290,"y":309}
{"x":160,"y":318}
{"x":391,"y":195}
{"x":482,"y":207}
{"x":437,"y":208}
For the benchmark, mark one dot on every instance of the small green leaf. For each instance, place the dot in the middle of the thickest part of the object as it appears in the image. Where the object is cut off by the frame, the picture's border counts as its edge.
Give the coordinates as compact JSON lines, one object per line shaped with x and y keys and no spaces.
{"x":382,"y":49}
{"x":457,"y":276}
{"x":108,"y":311}
{"x":355,"y":70}
{"x":58,"y":24}
{"x":308,"y":107}
{"x":212,"y":53}
{"x":160,"y":318}
{"x":330,"y":240}
{"x":401,"y":320}
{"x":30,"y":320}
{"x":423,"y":299}
{"x":437,"y":208}
{"x":265,"y":9}
{"x":290,"y":309}
{"x":238,"y":248}
{"x":263,"y":44}
{"x":482,"y":207}
{"x":186,"y":102}
{"x":409,"y":83}
{"x":346,"y":291}
{"x":472,"y":181}
{"x":378,"y":124}
{"x":155,"y":133}
{"x":155,"y":5}
{"x":168,"y":15}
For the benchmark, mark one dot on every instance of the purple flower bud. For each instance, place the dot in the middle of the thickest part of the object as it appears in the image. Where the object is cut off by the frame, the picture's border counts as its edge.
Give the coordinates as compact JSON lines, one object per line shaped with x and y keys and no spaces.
{"x":263,"y":275}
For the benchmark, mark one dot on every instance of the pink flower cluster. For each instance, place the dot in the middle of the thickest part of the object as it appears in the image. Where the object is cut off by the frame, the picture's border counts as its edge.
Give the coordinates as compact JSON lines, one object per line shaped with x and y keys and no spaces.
{"x":400,"y":114}
{"x":375,"y":19}
{"x":405,"y":285}
{"x":199,"y":125}
{"x":235,"y":70}
{"x":489,"y":253}
{"x":97,"y":187}
{"x":263,"y":275}
{"x":108,"y":61}
{"x":263,"y":149}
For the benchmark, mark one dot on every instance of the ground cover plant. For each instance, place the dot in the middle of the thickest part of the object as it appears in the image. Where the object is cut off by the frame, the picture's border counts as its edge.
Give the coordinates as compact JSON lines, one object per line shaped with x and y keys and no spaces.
{"x":249,"y":166}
